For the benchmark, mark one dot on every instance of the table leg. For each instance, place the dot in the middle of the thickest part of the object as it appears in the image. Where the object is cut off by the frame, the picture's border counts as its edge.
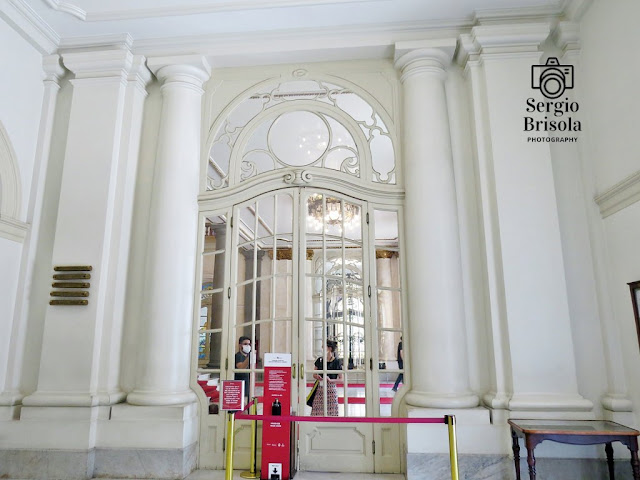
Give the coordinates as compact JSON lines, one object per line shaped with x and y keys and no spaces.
{"x":531,"y":461}
{"x":608,"y":448}
{"x":635,"y":464}
{"x":516,"y":453}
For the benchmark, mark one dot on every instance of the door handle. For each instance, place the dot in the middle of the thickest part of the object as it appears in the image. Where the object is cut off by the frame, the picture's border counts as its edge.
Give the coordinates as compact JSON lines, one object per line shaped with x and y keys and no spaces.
{"x":293,"y":373}
{"x":302,"y":371}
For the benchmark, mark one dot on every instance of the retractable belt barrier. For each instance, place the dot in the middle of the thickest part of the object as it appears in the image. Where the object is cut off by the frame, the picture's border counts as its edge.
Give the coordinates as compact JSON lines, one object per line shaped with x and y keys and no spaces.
{"x":449,"y":420}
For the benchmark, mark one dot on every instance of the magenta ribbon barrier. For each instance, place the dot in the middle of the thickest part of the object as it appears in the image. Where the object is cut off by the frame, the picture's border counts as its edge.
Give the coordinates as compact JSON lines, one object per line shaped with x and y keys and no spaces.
{"x":301,"y":418}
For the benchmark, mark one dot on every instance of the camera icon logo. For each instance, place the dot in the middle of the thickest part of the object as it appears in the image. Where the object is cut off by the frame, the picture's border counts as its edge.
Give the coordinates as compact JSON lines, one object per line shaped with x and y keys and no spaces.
{"x":552,"y":79}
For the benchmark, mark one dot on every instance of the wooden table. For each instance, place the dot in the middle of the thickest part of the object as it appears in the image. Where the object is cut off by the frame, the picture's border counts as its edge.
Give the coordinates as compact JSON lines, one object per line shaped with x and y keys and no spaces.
{"x":587,"y":432}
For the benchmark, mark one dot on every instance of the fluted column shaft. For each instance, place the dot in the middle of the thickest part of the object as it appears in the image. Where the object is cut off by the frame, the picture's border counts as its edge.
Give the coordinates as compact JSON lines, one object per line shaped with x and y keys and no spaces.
{"x":439,"y":371}
{"x":163,"y":364}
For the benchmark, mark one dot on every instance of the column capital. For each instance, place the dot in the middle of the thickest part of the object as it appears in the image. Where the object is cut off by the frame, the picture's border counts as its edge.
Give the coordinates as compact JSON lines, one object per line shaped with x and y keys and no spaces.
{"x":426,"y":57}
{"x":99,"y":64}
{"x":501,"y":39}
{"x":192,"y":70}
{"x":52,"y":68}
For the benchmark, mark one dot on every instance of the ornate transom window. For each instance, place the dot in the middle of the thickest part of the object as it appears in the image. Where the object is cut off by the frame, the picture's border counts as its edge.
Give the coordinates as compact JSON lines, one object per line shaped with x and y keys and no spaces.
{"x":302,"y":123}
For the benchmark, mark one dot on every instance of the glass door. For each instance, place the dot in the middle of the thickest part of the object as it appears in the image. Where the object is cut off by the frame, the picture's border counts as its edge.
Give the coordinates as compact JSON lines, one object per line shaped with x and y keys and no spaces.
{"x":335,"y":319}
{"x":304,"y":271}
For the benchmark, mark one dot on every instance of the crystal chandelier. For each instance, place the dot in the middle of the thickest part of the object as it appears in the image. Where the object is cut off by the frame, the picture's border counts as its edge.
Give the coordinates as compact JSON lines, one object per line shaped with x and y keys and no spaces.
{"x":332,"y":214}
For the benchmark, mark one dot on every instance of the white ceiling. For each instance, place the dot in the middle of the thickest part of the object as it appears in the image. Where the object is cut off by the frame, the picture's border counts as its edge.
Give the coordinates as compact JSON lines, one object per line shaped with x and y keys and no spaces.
{"x":232,"y":26}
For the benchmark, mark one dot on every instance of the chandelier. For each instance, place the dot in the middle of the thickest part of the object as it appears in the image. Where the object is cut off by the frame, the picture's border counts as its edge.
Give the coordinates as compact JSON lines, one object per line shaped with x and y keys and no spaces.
{"x":334,"y":213}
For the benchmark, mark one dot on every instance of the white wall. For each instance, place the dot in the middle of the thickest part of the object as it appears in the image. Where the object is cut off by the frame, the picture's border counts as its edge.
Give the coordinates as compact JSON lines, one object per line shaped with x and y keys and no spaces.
{"x":609,"y":73}
{"x":20,"y":104}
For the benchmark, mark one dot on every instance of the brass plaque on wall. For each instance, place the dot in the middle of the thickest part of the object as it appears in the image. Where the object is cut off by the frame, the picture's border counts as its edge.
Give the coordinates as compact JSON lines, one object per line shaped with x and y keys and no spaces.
{"x":72,"y":272}
{"x":69,"y":302}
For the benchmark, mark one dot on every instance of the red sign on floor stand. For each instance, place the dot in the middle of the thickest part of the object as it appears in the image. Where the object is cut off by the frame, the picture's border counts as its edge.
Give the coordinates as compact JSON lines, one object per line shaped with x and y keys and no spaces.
{"x":276,"y":441}
{"x":232,"y":397}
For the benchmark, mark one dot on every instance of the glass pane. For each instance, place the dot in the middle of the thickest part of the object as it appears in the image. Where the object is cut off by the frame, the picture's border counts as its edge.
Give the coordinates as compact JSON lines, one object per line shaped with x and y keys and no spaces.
{"x":353,"y":345}
{"x":264,"y":339}
{"x":265,"y":261}
{"x":387,"y":268}
{"x":246,"y":222}
{"x":282,"y":336}
{"x":284,"y":214}
{"x":266,"y":217}
{"x":209,"y":350}
{"x":389,"y":309}
{"x":263,"y":299}
{"x":386,"y":392}
{"x":244,"y":361}
{"x":354,"y":403}
{"x":245,"y":263}
{"x":244,"y":303}
{"x":334,"y":300}
{"x":314,"y":297}
{"x":354,"y":307}
{"x":284,"y":303}
{"x":315,"y":213}
{"x":333,"y":214}
{"x":389,"y":350}
{"x":211,"y":309}
{"x":386,"y":228}
{"x":352,"y":221}
{"x":209,"y":383}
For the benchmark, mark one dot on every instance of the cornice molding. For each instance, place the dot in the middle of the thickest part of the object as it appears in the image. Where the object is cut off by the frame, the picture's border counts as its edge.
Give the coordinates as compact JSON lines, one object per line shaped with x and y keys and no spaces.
{"x":14,"y":230}
{"x":123,"y":41}
{"x":487,"y":16}
{"x":30,"y":25}
{"x":52,"y":68}
{"x":218,"y":7}
{"x":620,"y":196}
{"x":574,"y":10}
{"x":100,"y":64}
{"x":566,"y":36}
{"x":502,"y":39}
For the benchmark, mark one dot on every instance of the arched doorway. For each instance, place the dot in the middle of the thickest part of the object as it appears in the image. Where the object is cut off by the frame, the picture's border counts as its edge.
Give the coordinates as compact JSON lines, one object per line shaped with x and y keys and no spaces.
{"x":299,"y":249}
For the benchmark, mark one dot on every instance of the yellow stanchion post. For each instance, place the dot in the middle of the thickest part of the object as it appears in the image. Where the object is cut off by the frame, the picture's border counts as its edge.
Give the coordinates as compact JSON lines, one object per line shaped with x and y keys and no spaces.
{"x":230,"y":434}
{"x":453,"y":446}
{"x":252,"y":473}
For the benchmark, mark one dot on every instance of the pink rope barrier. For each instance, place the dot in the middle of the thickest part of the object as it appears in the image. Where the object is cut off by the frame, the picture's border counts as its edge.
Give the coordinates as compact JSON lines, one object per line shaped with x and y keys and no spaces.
{"x":301,"y":418}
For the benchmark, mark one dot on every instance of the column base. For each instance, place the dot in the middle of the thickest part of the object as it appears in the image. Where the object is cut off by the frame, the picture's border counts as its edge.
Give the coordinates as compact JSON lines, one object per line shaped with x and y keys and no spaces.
{"x":542,"y":405}
{"x":617,"y":402}
{"x":69,"y":399}
{"x":156,"y":399}
{"x":416,"y":398}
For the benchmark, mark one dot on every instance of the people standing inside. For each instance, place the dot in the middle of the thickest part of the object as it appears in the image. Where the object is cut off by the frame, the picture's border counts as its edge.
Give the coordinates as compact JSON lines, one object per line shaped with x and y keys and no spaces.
{"x":242,"y":361}
{"x":333,"y":363}
{"x":400,"y":366}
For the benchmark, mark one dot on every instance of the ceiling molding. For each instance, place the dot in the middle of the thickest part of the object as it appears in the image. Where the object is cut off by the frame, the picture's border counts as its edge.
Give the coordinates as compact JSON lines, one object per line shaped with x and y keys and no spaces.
{"x":30,"y":26}
{"x":621,"y":195}
{"x":122,"y":41}
{"x":574,"y":10}
{"x":517,"y":15}
{"x":182,"y":10}
{"x":370,"y":41}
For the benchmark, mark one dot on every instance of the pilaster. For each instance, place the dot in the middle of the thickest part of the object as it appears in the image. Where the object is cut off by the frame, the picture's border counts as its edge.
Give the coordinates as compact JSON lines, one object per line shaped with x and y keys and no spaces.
{"x":11,"y":395}
{"x":528,"y":303}
{"x":81,"y":344}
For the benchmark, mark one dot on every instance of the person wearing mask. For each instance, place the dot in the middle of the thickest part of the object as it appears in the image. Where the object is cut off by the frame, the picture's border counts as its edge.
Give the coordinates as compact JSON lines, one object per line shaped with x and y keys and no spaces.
{"x":400,"y":366}
{"x":242,"y":361}
{"x":333,"y":363}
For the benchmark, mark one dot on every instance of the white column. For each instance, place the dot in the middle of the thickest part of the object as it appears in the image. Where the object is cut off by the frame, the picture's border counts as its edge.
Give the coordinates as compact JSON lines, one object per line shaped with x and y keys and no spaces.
{"x":53,"y":71}
{"x":528,"y":302}
{"x":81,"y":344}
{"x":164,"y":360}
{"x":439,"y":370}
